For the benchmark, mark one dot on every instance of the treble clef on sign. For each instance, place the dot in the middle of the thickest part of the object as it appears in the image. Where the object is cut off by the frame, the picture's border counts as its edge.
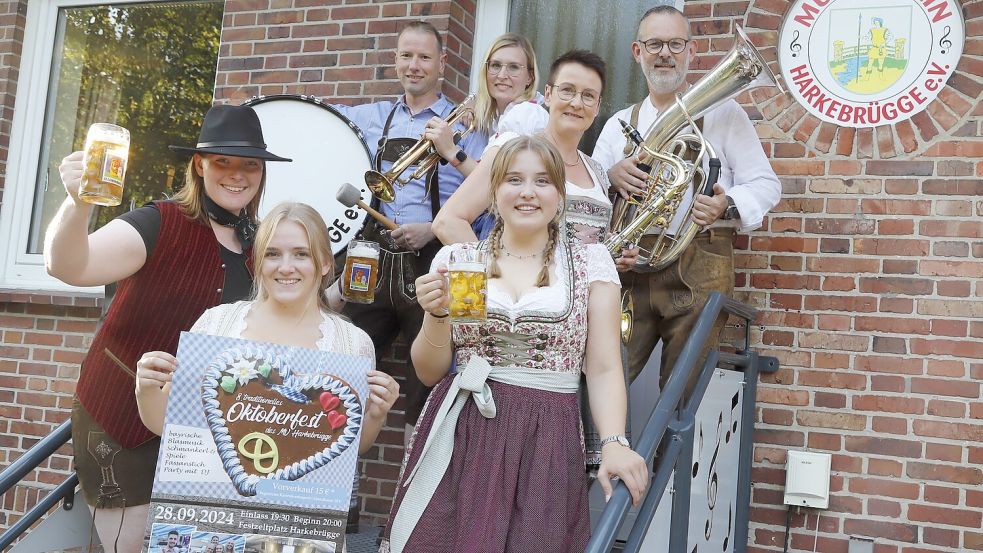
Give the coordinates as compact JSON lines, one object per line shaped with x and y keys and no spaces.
{"x":713,"y":481}
{"x":944,"y":42}
{"x":795,"y":47}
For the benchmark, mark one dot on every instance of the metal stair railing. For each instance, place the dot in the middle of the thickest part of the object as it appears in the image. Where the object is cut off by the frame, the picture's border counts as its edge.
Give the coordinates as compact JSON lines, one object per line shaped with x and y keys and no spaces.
{"x":669,"y":417}
{"x":27,"y":462}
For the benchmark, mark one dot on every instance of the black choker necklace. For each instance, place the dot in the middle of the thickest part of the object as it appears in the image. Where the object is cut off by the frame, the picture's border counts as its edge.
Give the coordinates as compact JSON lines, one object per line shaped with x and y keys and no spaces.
{"x":243,"y":224}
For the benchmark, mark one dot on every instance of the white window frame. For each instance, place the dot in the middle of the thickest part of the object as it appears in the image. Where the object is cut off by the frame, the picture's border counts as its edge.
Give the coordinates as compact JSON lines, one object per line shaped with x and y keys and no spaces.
{"x":20,"y":270}
{"x":490,"y":20}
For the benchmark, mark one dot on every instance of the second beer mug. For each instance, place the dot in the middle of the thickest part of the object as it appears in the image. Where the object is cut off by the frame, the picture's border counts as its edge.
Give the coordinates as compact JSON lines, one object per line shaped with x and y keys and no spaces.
{"x":107,"y":148}
{"x":361,"y":272}
{"x":468,"y":285}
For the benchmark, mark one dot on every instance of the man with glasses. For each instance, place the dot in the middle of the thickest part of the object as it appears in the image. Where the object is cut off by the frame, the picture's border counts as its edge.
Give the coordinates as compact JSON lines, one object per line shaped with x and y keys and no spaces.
{"x":667,"y":303}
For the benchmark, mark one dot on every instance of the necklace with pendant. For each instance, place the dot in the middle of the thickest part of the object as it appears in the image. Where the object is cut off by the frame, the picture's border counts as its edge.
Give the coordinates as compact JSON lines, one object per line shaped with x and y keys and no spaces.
{"x":517,"y":256}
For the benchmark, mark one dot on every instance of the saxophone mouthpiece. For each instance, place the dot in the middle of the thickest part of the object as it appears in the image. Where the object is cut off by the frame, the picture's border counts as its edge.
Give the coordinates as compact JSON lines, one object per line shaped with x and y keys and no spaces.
{"x":631,"y":132}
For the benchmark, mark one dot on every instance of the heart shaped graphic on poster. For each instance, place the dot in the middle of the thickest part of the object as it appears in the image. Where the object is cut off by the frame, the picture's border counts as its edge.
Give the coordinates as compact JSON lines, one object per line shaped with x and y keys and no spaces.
{"x":272,"y":421}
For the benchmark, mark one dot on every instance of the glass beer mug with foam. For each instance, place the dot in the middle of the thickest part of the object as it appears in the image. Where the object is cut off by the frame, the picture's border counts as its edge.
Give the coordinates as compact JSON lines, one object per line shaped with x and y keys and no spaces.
{"x":468,"y":285}
{"x":107,"y":148}
{"x":361,"y":271}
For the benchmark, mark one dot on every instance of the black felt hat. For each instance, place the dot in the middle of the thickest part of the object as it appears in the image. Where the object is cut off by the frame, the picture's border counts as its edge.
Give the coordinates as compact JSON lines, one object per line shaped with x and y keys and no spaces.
{"x":232,"y":131}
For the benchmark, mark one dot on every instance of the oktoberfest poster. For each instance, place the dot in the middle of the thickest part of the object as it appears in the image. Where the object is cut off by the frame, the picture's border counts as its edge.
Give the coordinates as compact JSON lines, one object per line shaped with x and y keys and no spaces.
{"x":259,"y":449}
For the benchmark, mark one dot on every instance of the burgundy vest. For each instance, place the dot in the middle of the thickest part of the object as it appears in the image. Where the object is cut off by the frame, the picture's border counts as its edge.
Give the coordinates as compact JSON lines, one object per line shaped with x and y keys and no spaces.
{"x":180,"y":280}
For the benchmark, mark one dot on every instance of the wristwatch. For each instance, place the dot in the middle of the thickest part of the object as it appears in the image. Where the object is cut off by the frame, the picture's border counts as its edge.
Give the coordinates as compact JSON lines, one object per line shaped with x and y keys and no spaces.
{"x":731,"y":211}
{"x":460,"y":157}
{"x":620,"y":438}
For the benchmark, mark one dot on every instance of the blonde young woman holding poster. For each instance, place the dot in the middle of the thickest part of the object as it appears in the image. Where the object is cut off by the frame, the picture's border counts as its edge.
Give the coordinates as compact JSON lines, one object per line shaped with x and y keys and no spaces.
{"x":294,"y":270}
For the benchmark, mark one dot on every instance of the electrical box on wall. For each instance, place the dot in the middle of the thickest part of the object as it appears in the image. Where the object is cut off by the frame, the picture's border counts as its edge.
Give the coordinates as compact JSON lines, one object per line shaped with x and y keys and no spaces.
{"x":807,"y":479}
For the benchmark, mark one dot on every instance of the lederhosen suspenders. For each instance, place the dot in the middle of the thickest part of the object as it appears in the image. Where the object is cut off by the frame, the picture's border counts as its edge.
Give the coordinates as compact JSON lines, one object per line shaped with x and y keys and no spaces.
{"x":633,"y":120}
{"x":398,"y":147}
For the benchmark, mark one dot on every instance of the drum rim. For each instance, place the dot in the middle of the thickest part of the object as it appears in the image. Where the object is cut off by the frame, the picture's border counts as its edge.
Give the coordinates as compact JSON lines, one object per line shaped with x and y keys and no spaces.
{"x":255,"y":100}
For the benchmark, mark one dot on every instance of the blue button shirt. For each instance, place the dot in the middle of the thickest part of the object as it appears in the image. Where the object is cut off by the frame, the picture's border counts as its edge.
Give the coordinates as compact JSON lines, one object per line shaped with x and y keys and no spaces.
{"x":412,"y":204}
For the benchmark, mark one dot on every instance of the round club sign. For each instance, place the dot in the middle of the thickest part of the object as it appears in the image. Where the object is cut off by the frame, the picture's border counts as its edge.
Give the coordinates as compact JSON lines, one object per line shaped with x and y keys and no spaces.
{"x":865,"y":63}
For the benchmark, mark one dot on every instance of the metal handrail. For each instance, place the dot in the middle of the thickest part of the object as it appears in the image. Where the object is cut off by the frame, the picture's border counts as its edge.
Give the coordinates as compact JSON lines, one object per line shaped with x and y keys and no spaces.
{"x":35,"y":456}
{"x":665,"y":413}
{"x":64,"y":490}
{"x":27,"y":462}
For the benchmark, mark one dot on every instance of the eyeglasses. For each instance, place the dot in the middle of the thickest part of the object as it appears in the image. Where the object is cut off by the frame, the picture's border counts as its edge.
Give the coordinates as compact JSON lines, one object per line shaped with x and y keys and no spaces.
{"x":568,"y":92}
{"x":654,"y":46}
{"x":511,"y":69}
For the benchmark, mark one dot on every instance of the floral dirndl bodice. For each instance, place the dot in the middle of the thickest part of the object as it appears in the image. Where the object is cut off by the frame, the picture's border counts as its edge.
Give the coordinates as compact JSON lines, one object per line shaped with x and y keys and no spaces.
{"x":545,"y":328}
{"x":587,"y":215}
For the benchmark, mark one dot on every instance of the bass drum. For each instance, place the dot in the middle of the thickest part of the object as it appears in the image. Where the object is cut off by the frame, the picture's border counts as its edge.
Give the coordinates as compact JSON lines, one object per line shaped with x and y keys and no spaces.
{"x":327,"y":151}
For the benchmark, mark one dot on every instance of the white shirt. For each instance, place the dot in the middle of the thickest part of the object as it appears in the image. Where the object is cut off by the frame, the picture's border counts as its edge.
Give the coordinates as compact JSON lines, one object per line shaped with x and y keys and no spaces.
{"x":525,"y":118}
{"x":745,"y":174}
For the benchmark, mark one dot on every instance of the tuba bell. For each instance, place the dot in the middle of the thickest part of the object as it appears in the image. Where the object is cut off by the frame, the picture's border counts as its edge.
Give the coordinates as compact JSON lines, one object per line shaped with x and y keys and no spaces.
{"x":422,"y":154}
{"x":676,"y":160}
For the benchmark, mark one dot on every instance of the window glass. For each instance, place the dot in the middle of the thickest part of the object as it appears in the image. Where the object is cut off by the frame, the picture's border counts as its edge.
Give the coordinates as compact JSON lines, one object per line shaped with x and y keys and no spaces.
{"x":149,"y":67}
{"x":604,"y":27}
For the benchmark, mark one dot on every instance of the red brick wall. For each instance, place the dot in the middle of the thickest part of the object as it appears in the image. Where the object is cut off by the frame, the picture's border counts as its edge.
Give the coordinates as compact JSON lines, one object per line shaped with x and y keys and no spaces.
{"x":337,"y":52}
{"x":12,"y":21}
{"x":869,"y":276}
{"x":44,"y":339}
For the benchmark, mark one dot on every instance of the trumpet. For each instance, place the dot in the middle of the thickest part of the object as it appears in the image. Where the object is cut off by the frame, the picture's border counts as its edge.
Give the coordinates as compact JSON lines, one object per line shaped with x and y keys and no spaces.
{"x":422,"y":154}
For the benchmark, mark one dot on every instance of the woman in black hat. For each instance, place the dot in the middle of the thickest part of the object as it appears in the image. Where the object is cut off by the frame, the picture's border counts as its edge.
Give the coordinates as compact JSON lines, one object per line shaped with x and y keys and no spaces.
{"x":173,"y":260}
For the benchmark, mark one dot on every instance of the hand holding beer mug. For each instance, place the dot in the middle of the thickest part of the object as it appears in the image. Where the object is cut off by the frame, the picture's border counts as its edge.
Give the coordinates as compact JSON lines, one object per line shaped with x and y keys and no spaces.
{"x":361,"y":272}
{"x":468,"y":285}
{"x":107,"y":148}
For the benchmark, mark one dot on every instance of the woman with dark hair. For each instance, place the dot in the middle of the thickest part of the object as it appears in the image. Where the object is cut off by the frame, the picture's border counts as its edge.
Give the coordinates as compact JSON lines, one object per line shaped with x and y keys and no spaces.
{"x":505,"y":472}
{"x":573,"y":97}
{"x":173,"y":260}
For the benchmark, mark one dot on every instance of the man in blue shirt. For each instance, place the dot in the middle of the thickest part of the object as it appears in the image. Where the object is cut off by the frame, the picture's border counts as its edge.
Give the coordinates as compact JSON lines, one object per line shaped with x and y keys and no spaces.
{"x":390,"y":128}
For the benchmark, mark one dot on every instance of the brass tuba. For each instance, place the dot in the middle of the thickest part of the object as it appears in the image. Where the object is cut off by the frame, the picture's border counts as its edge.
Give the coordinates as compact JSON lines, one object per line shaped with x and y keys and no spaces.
{"x":422,"y":154}
{"x":676,"y":160}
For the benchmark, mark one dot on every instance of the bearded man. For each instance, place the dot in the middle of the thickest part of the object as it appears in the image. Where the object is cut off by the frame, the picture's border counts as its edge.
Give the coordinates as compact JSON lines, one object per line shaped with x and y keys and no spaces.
{"x":668,"y":302}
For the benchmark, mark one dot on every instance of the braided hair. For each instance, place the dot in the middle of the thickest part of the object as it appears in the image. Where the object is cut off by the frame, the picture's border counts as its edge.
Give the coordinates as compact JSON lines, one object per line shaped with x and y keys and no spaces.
{"x":557,"y":176}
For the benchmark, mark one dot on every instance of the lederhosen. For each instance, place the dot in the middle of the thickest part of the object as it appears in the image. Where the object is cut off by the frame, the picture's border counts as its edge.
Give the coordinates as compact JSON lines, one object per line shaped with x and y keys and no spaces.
{"x":639,"y":283}
{"x":395,"y":308}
